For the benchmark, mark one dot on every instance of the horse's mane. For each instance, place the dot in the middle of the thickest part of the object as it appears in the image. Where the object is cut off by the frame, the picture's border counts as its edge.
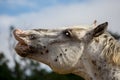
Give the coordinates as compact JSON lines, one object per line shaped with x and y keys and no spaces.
{"x":111,"y":50}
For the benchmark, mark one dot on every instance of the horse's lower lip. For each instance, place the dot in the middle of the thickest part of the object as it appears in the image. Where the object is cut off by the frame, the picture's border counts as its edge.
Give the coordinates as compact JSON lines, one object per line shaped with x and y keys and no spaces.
{"x":22,"y":49}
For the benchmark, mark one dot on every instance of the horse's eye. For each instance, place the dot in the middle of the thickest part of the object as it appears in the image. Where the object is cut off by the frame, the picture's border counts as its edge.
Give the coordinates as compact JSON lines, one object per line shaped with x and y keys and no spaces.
{"x":67,"y":33}
{"x":32,"y":37}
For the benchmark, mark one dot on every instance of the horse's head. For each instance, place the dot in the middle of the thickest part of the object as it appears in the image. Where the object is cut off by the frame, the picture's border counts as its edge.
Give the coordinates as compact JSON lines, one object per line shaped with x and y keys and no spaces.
{"x":61,"y":49}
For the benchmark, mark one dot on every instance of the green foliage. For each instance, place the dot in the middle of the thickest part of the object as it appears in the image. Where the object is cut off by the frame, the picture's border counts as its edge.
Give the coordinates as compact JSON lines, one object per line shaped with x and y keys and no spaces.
{"x":55,"y":76}
{"x":5,"y":72}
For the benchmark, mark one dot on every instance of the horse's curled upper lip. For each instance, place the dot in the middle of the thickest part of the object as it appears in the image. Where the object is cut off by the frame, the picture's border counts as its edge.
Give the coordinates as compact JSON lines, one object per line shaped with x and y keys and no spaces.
{"x":18,"y":34}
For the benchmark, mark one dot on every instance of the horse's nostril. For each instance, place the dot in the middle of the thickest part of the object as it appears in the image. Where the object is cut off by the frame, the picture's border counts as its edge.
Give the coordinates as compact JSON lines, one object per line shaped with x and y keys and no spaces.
{"x":47,"y":51}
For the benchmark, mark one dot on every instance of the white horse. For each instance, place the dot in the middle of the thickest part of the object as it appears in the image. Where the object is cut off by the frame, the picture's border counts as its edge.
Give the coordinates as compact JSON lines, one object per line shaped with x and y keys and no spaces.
{"x":90,"y":52}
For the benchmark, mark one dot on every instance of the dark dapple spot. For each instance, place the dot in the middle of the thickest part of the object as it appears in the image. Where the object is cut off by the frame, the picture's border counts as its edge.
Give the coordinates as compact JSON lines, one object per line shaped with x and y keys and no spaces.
{"x":105,"y":36}
{"x":39,"y":41}
{"x":114,"y":70}
{"x":65,"y":49}
{"x":32,"y":49}
{"x":95,"y":74}
{"x":55,"y":60}
{"x":44,"y":47}
{"x":47,"y":51}
{"x":94,"y":62}
{"x":41,"y":53}
{"x":99,"y":68}
{"x":60,"y":54}
{"x":91,"y":78}
{"x":113,"y":78}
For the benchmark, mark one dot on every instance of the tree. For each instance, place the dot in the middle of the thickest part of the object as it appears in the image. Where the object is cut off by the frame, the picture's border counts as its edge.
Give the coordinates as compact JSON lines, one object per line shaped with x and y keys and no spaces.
{"x":5,"y":72}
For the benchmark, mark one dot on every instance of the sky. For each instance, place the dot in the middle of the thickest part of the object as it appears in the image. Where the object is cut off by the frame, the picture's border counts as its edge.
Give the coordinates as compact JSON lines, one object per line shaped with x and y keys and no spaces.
{"x":29,"y":14}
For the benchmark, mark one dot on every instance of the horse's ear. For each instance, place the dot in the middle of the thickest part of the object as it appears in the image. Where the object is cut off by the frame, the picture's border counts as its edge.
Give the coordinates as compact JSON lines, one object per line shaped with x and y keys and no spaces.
{"x":100,"y":29}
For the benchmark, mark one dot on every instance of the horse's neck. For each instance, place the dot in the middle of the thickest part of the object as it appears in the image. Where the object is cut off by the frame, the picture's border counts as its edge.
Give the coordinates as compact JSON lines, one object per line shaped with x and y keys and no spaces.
{"x":102,"y":72}
{"x":95,"y":65}
{"x":88,"y":65}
